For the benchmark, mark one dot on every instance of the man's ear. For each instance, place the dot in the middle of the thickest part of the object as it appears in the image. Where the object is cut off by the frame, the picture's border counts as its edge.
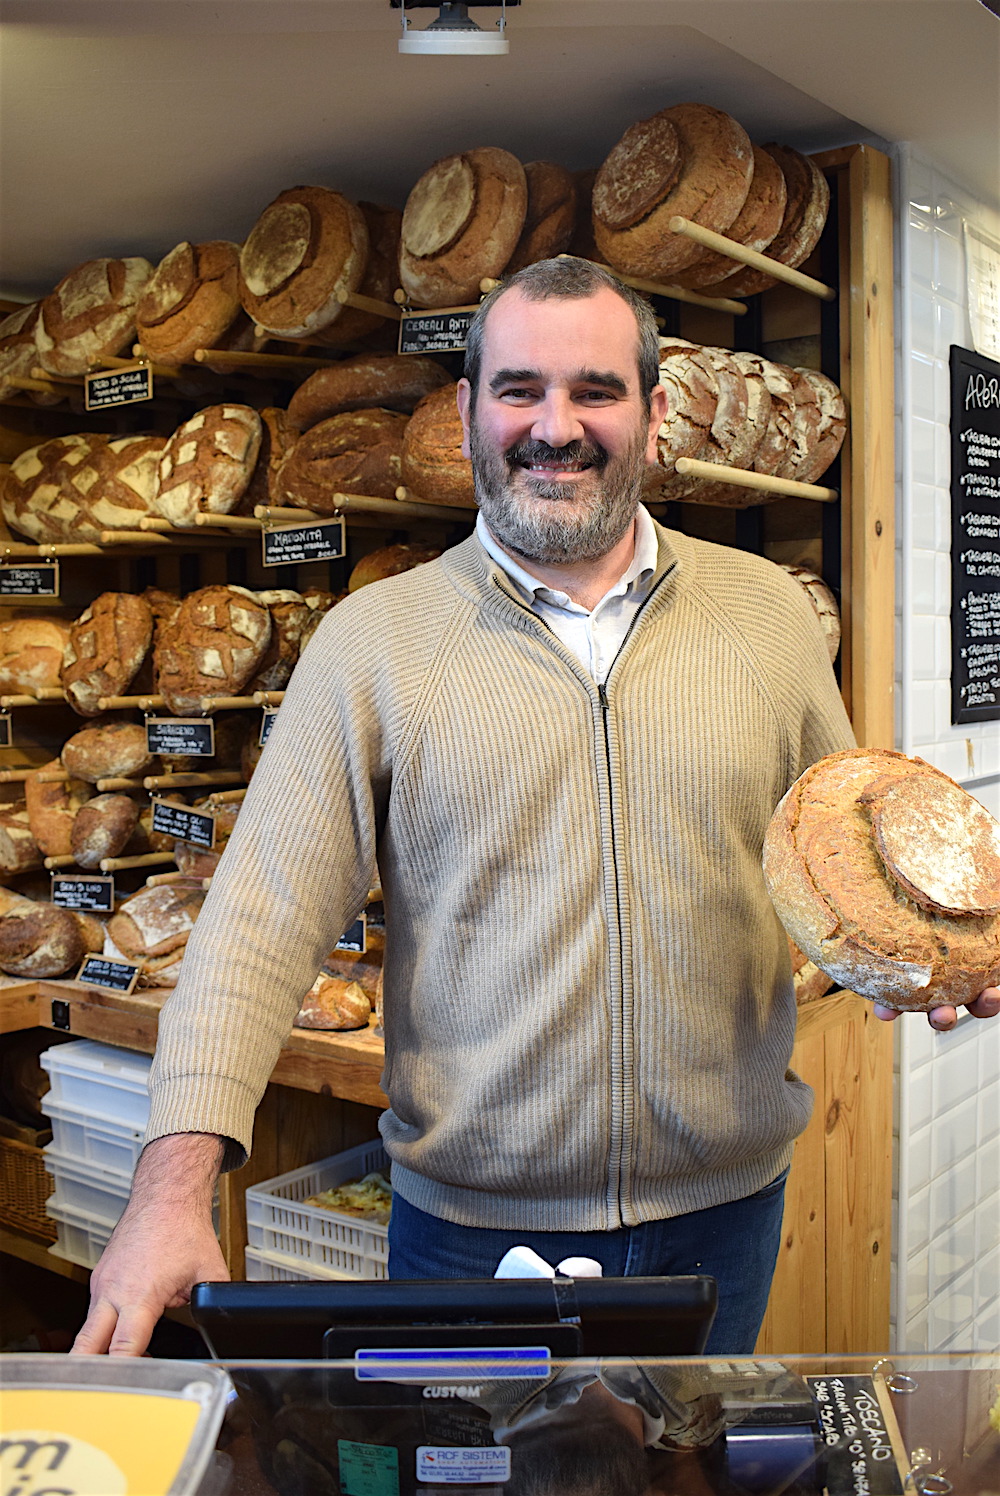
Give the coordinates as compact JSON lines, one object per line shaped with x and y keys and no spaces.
{"x":463,"y":398}
{"x":658,"y":404}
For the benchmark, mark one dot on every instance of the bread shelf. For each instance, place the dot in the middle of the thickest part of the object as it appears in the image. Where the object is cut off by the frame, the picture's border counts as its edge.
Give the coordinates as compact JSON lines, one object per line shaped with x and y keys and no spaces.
{"x":146,"y":859}
{"x":717,"y":472}
{"x":752,"y":257}
{"x":120,"y":785}
{"x":22,"y":699}
{"x":676,"y":293}
{"x":126,"y":703}
{"x":194,"y":780}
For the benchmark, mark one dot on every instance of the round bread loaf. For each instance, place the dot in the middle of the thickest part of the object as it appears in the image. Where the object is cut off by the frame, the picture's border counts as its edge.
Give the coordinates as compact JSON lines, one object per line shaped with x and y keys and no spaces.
{"x":31,"y":651}
{"x":41,"y":941}
{"x":289,"y":615}
{"x":19,"y":852}
{"x":772,"y":453}
{"x":691,"y":160}
{"x":550,"y":218}
{"x":387,"y":380}
{"x":730,"y":437}
{"x":308,"y":245}
{"x":743,"y":447}
{"x":126,"y":486}
{"x":110,"y":749}
{"x":155,"y":921}
{"x":18,"y":353}
{"x":190,"y":301}
{"x":807,"y":203}
{"x":886,"y":873}
{"x":332,"y":1003}
{"x":213,"y":647}
{"x":755,"y":226}
{"x":52,"y":809}
{"x":692,"y":387}
{"x":461,"y":222}
{"x":433,"y":465}
{"x":208,"y":463}
{"x":277,"y":438}
{"x":818,"y":426}
{"x":823,"y":601}
{"x":199,"y":862}
{"x":45,"y":493}
{"x":106,"y":646}
{"x":380,"y":279}
{"x":91,"y":314}
{"x":103,"y":828}
{"x":389,"y":561}
{"x":357,"y":452}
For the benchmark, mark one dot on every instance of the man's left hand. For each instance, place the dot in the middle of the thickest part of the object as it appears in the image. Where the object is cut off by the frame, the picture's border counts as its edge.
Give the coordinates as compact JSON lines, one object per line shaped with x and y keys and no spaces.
{"x":986,"y":1005}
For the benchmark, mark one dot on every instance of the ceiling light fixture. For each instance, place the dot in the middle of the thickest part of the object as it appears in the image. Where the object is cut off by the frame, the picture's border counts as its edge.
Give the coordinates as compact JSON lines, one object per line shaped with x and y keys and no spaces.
{"x":454,"y":31}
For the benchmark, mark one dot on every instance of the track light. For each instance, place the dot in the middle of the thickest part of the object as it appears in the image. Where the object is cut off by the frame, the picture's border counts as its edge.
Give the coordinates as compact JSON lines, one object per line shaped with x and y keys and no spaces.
{"x":454,"y":32}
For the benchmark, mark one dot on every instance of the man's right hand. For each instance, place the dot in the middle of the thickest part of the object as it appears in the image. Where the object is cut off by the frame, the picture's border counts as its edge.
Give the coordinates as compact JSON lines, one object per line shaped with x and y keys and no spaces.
{"x":161,"y":1247}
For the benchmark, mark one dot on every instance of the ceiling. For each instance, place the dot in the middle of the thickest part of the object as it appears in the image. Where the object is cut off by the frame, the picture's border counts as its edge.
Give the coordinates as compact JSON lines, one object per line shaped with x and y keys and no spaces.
{"x":128,"y":125}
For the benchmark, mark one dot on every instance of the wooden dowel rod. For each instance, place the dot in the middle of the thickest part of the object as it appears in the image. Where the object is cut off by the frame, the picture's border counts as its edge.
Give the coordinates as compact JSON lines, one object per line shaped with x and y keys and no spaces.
{"x":162,"y":371}
{"x":148,"y":859}
{"x":63,"y":382}
{"x":123,"y":703}
{"x":226,"y":522}
{"x":47,"y":552}
{"x":745,"y":256}
{"x":369,"y":304}
{"x":229,"y":797}
{"x":408,"y":503}
{"x":153,"y":540}
{"x":38,"y":697}
{"x":193,"y":780}
{"x":14,"y":776}
{"x":53,"y":776}
{"x":268,"y":698}
{"x":65,"y":860}
{"x":50,"y":693}
{"x":47,"y":386}
{"x":258,"y":360}
{"x":226,"y":703}
{"x":715,"y":472}
{"x":675,"y":293}
{"x":150,"y":524}
{"x":206,"y":884}
{"x":158,"y":880}
{"x":400,"y":297}
{"x":9,"y":701}
{"x":120,"y":786}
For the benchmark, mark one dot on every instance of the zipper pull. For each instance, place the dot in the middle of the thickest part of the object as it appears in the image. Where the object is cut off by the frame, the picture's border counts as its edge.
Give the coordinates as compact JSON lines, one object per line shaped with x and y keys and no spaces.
{"x":602,"y":696}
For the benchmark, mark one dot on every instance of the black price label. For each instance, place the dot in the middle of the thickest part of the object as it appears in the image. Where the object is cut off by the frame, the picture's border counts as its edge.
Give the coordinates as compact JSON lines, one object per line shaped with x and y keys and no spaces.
{"x":118,"y":387}
{"x":93,"y":895}
{"x":184,"y":824}
{"x":446,"y":331}
{"x":857,"y":1448}
{"x":6,"y":737}
{"x":289,"y":545}
{"x":187,"y":735}
{"x":975,"y":537}
{"x":266,"y":723}
{"x":40,"y":579}
{"x":355,"y":938}
{"x":112,"y":976}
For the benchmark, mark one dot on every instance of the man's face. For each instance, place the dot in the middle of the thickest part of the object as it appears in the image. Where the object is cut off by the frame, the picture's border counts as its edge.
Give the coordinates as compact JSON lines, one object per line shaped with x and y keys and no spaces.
{"x":559,"y":437}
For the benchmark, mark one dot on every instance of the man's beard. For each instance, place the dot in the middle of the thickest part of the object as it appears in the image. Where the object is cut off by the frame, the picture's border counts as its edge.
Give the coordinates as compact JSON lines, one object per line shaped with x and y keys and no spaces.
{"x":558,"y":522}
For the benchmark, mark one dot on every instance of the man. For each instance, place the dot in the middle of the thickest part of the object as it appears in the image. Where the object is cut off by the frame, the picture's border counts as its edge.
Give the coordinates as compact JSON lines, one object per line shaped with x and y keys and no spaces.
{"x":563,"y":741}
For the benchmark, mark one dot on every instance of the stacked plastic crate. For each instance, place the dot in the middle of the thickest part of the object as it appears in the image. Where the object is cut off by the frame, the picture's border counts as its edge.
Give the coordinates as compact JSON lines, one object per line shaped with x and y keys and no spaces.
{"x":99,"y":1107}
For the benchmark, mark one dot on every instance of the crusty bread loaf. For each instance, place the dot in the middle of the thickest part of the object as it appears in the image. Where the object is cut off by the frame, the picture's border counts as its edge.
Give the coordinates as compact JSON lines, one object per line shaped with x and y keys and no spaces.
{"x":712,"y":380}
{"x":691,"y":160}
{"x":208,"y":463}
{"x":41,"y":941}
{"x":91,"y":314}
{"x":807,"y":203}
{"x":52,"y":809}
{"x":461,"y":222}
{"x":389,"y":561}
{"x":109,"y":749}
{"x":18,"y":354}
{"x":126,"y":486}
{"x":103,"y":828}
{"x":155,"y":921}
{"x":106,"y":646}
{"x":387,"y":380}
{"x":332,"y":1003}
{"x":359,"y":452}
{"x":818,"y":426}
{"x":379,"y":281}
{"x":550,"y":218}
{"x":742,"y":451}
{"x":31,"y":651}
{"x":277,"y":438}
{"x":755,"y":225}
{"x":823,"y":600}
{"x":433,"y":465}
{"x":213,"y":647}
{"x":810,"y":983}
{"x":363,"y":967}
{"x":190,"y":301}
{"x":886,"y":873}
{"x":289,"y":615}
{"x":45,"y":492}
{"x":19,"y":852}
{"x":308,"y":245}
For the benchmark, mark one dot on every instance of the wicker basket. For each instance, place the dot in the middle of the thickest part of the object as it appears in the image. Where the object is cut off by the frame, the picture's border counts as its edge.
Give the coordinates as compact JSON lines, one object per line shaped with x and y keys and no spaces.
{"x":24,"y":1189}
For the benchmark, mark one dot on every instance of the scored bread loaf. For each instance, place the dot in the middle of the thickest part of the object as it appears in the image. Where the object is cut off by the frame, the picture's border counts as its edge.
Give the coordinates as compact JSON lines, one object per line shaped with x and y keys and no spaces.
{"x":106,"y":646}
{"x":886,"y":873}
{"x":18,"y":353}
{"x":807,"y":202}
{"x":390,"y":381}
{"x":277,"y":438}
{"x":41,"y":941}
{"x":52,"y":809}
{"x":91,"y":314}
{"x":433,"y":466}
{"x":379,"y":281}
{"x":45,"y":493}
{"x":19,"y":852}
{"x":212,"y":647}
{"x":126,"y":485}
{"x":359,"y":451}
{"x":108,"y":749}
{"x":103,"y":828}
{"x":550,"y":218}
{"x":818,"y":426}
{"x":306,"y":247}
{"x":462,"y":221}
{"x":289,"y":615}
{"x":389,"y":561}
{"x":691,"y":160}
{"x":31,"y":651}
{"x":208,"y":463}
{"x":190,"y":301}
{"x":155,"y":921}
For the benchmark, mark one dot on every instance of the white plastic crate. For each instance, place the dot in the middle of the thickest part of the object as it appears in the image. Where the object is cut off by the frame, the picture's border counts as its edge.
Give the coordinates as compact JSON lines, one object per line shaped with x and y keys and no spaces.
{"x":99,"y":1141}
{"x":99,"y":1080}
{"x":81,"y":1238}
{"x":268,"y":1267}
{"x":338,"y":1245}
{"x":100,"y":1195}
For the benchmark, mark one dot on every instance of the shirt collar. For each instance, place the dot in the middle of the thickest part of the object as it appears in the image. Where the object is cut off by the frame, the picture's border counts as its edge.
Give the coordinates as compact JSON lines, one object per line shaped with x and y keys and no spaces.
{"x":640,"y":569}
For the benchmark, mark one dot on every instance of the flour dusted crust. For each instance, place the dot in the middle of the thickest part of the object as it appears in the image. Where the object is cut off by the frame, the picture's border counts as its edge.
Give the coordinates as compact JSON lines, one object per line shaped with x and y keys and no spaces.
{"x":46,"y":491}
{"x":91,"y":314}
{"x":109,"y":749}
{"x":823,"y":600}
{"x":289,"y":615}
{"x":691,"y":160}
{"x":333,"y":1003}
{"x":40,"y":940}
{"x":716,"y":405}
{"x":380,"y":280}
{"x":771,"y":455}
{"x":126,"y":486}
{"x":755,"y":226}
{"x":155,"y":921}
{"x":806,"y":206}
{"x":31,"y":651}
{"x":433,"y":465}
{"x":749,"y":438}
{"x":461,"y":222}
{"x":190,"y":301}
{"x":387,"y":380}
{"x":106,"y":646}
{"x":551,"y":215}
{"x":19,"y":852}
{"x":359,"y":451}
{"x":208,"y":463}
{"x":389,"y":561}
{"x":810,"y":983}
{"x":306,"y":247}
{"x":819,"y":425}
{"x":52,"y":809}
{"x":886,"y":874}
{"x":18,"y":353}
{"x":102,"y":828}
{"x":212,"y":647}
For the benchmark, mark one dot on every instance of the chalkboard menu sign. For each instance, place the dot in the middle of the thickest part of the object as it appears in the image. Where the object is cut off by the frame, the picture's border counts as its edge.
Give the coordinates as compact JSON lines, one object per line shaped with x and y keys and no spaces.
{"x":975,"y":537}
{"x":184,"y":824}
{"x":445,"y":331}
{"x":291,"y":545}
{"x":41,"y":580}
{"x":118,"y":387}
{"x":95,"y":895}
{"x":113,"y":976}
{"x":194,"y":736}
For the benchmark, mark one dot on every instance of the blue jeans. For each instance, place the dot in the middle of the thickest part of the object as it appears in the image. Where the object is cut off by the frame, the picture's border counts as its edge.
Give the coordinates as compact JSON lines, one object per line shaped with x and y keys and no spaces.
{"x":736,"y":1244}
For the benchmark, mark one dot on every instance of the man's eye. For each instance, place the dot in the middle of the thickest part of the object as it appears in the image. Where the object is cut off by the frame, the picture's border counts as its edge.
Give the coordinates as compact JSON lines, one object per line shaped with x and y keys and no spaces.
{"x":517,"y":394}
{"x":596,"y":397}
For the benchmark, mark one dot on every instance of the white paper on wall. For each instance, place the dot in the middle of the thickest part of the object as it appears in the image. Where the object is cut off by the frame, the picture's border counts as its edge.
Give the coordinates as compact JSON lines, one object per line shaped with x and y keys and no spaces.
{"x":982,"y":258}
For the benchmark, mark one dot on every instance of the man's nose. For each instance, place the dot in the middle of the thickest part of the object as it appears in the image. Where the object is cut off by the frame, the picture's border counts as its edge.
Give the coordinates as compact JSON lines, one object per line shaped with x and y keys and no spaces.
{"x":556,"y":422}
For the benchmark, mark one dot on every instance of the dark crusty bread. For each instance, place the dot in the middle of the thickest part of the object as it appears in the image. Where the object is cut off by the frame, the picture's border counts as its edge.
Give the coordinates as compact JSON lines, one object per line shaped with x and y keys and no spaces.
{"x":18,"y":353}
{"x":91,"y":314}
{"x":308,"y":245}
{"x":719,"y":386}
{"x":103,"y":828}
{"x":106,"y":646}
{"x":109,"y":749}
{"x":359,"y":451}
{"x":819,"y":425}
{"x":277,"y":437}
{"x":461,"y":222}
{"x":886,"y":873}
{"x":380,"y":279}
{"x":289,"y":614}
{"x":806,"y":206}
{"x":389,"y":381}
{"x":190,"y":302}
{"x":389,"y":561}
{"x":40,"y":941}
{"x":755,"y":225}
{"x":212,"y":647}
{"x":208,"y":463}
{"x":433,"y":465}
{"x":551,"y":216}
{"x":52,"y":809}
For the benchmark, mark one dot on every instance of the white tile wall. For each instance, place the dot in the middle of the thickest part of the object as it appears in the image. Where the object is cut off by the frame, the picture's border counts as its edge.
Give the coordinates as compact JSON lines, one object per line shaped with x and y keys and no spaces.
{"x":946,"y":1262}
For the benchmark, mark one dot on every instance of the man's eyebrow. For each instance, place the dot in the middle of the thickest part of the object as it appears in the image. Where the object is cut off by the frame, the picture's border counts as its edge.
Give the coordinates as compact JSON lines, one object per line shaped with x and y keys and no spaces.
{"x":514,"y":376}
{"x":605,"y":378}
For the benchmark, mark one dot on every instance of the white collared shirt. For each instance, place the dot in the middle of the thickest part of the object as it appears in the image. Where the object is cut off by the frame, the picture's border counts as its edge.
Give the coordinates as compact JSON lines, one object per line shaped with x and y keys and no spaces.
{"x":596,"y":637}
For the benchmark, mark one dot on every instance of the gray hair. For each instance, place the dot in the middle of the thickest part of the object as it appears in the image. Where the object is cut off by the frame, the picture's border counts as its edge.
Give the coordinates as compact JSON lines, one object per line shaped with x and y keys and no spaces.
{"x":569,"y":279}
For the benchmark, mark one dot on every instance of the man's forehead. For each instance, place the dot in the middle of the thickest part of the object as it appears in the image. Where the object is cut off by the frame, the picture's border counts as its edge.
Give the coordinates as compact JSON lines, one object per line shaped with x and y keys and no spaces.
{"x":561,"y":334}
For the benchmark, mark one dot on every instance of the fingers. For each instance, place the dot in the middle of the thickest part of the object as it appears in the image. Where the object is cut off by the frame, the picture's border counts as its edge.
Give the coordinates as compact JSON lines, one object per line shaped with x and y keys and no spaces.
{"x":987,"y":1004}
{"x":943,"y":1018}
{"x":95,"y":1336}
{"x":887,"y":1015}
{"x":135,"y":1328}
